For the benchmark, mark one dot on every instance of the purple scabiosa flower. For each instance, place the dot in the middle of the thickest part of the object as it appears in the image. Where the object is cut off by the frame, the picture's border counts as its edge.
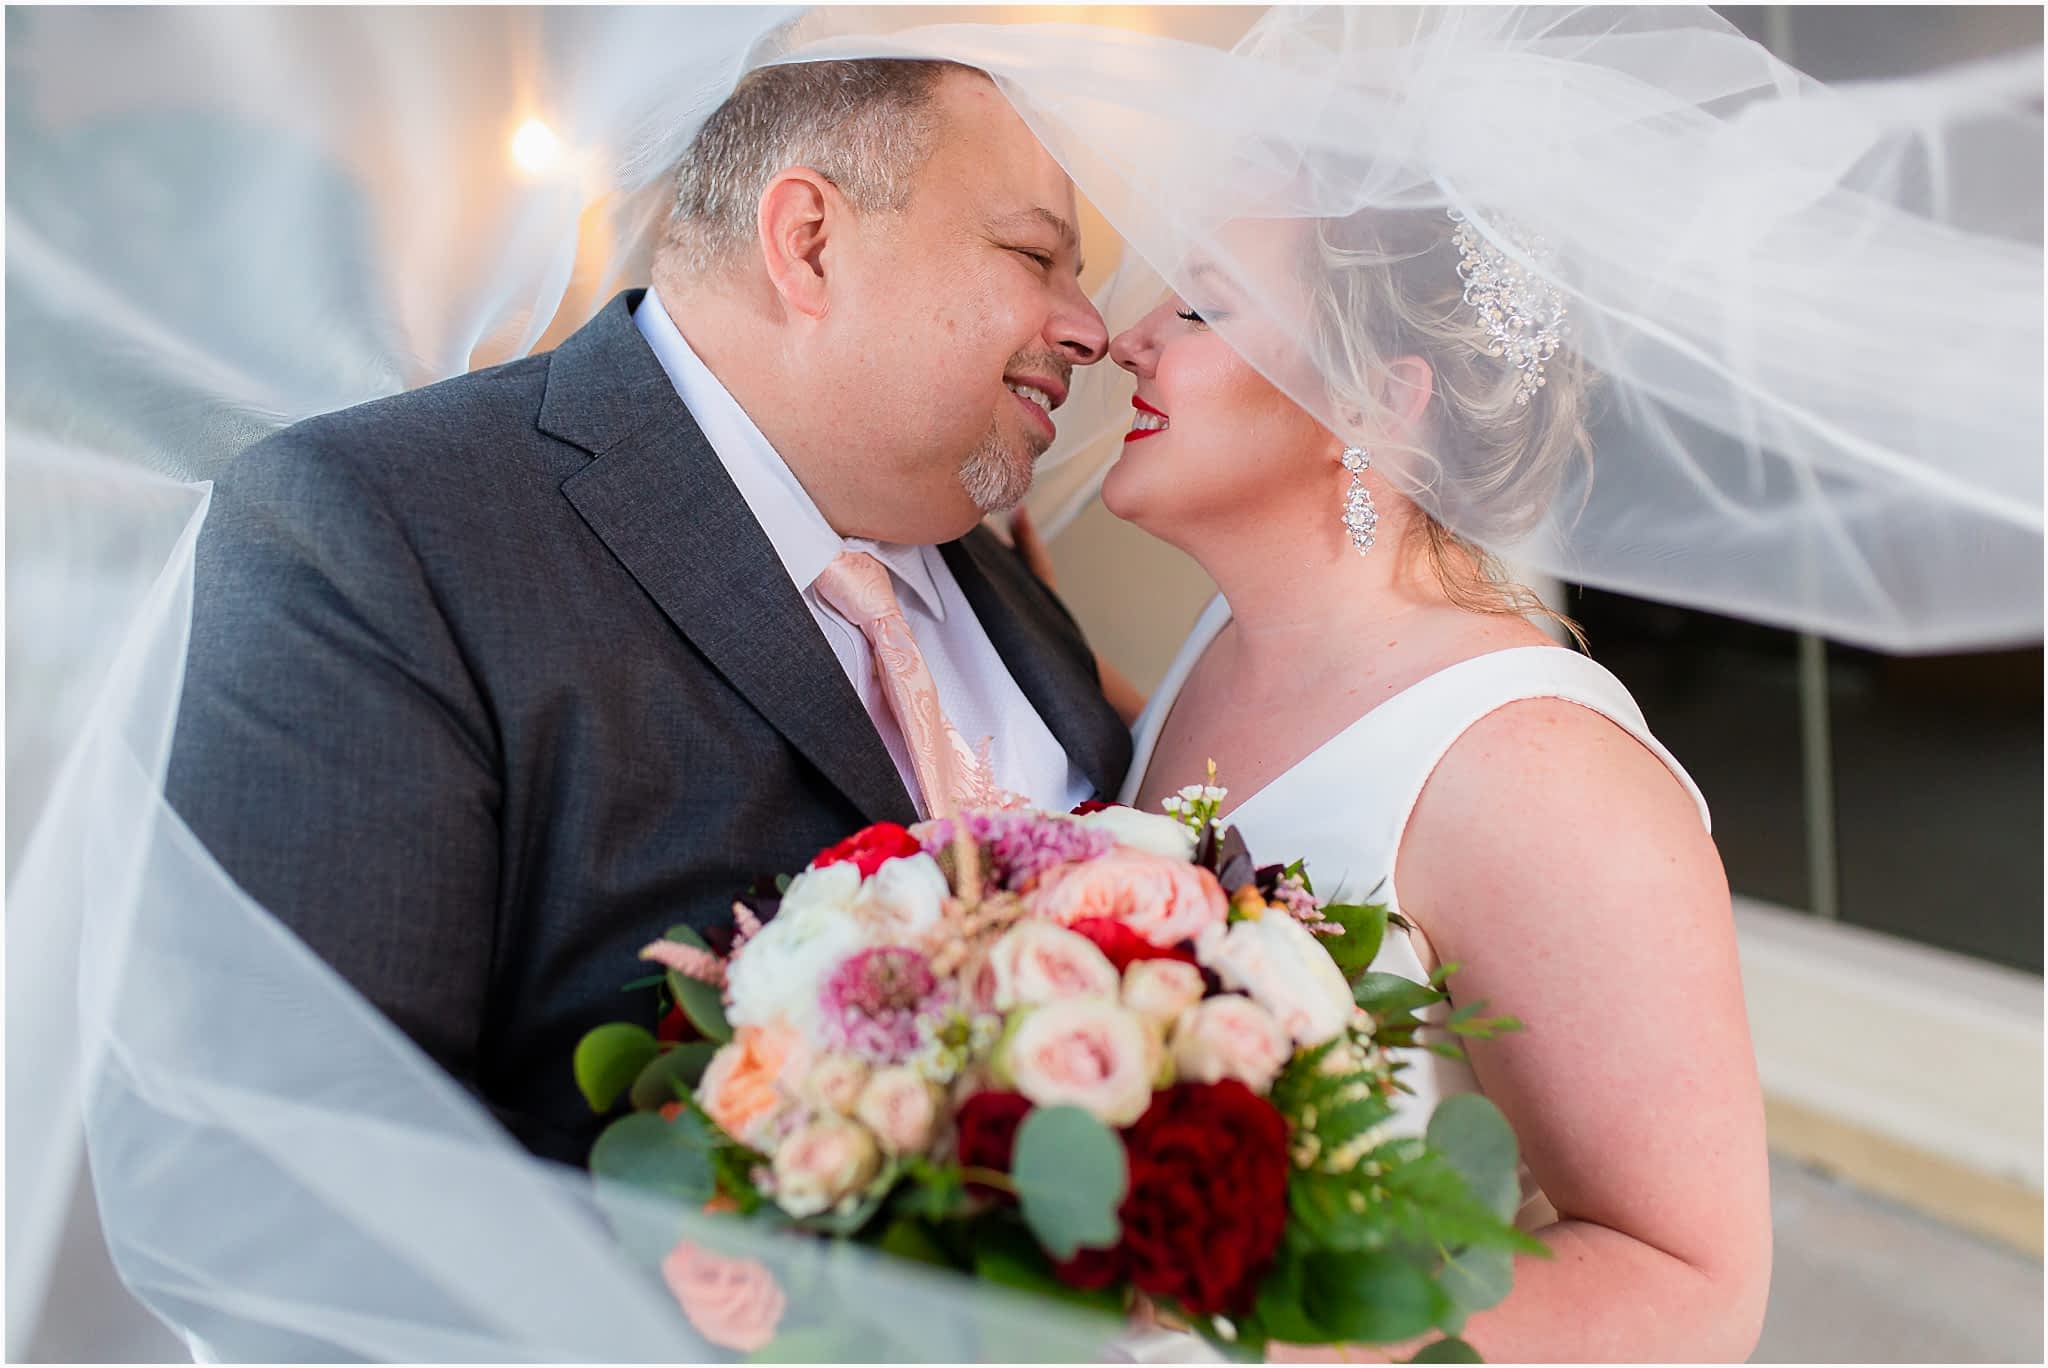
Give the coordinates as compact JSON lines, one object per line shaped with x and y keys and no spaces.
{"x":872,"y":1002}
{"x":1020,"y":846}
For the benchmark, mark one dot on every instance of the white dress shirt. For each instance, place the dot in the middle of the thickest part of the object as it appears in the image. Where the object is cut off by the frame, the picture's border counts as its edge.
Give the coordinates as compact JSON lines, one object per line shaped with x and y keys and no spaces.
{"x":975,"y":687}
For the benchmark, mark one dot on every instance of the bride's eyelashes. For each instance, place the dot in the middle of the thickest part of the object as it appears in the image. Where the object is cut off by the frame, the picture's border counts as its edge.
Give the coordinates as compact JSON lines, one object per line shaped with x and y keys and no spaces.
{"x":1196,"y":317}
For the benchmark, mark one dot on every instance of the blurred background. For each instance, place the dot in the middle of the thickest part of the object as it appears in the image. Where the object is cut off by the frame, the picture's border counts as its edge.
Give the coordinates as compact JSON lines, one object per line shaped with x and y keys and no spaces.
{"x":1881,"y":822}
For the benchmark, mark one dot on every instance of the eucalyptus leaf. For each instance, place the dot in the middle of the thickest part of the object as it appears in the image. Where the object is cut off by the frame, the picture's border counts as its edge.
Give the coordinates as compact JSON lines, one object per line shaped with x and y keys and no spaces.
{"x":1469,"y":1131}
{"x":671,"y":1074}
{"x":702,"y":1004}
{"x":1478,"y":1278}
{"x":609,"y":1058}
{"x":1071,"y":1176}
{"x":672,"y":1158}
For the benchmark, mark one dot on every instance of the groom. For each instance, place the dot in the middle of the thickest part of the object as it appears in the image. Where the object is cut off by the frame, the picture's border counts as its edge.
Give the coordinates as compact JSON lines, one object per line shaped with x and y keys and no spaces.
{"x":492,"y":682}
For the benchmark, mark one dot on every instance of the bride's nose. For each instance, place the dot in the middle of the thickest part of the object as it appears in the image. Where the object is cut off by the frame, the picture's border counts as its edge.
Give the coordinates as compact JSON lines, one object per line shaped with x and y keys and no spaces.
{"x":1133,"y":348}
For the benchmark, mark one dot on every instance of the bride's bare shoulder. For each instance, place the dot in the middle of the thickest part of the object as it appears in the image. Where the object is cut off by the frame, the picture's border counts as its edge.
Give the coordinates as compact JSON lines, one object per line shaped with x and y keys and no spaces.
{"x":1546,"y":794}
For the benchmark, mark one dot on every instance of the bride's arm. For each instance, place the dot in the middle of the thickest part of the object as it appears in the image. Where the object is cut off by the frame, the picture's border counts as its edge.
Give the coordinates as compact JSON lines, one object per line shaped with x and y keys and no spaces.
{"x":1565,"y":867}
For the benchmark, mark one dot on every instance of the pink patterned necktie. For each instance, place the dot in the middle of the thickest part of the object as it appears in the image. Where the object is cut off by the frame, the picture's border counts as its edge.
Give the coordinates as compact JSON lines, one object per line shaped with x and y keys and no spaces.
{"x":951,"y":774}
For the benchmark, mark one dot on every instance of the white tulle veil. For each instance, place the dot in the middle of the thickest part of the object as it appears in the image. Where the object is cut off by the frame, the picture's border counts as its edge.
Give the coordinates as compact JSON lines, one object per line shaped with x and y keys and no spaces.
{"x":1816,"y":313}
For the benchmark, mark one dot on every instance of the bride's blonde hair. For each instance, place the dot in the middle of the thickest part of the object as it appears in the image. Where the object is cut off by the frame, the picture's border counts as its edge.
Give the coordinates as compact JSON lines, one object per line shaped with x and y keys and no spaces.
{"x":1385,"y":285}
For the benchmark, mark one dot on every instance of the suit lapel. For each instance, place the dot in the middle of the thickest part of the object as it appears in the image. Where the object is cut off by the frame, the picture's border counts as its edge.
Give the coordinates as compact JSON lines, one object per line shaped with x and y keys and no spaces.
{"x":659,"y":498}
{"x":1043,"y":662}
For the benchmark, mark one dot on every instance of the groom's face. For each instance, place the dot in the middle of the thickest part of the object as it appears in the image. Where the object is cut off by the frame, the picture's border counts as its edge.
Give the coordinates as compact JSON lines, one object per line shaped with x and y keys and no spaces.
{"x":967,"y":296}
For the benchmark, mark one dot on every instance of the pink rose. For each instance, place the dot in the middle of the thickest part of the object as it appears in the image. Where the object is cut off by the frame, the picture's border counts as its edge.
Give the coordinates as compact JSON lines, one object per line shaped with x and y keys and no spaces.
{"x":753,"y":1080}
{"x":1286,"y":970}
{"x":734,"y":1303}
{"x":1230,"y":1037}
{"x":1091,"y":1053}
{"x":1036,"y":962}
{"x":835,"y":1081}
{"x":822,"y":1162}
{"x":1159,"y":990}
{"x":901,"y":1107}
{"x":1164,"y":900}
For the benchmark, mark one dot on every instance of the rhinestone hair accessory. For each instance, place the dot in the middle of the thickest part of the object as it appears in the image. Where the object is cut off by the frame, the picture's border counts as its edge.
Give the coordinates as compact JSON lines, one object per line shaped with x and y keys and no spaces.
{"x":1523,"y":313}
{"x":1360,"y":517}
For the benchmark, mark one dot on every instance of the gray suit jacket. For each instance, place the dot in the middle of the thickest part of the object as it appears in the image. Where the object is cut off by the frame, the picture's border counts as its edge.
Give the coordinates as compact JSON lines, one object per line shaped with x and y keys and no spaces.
{"x":493,"y":681}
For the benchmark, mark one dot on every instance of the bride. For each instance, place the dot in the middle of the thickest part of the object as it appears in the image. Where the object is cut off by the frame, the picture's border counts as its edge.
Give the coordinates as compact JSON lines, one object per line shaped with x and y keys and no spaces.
{"x":1374,"y":696}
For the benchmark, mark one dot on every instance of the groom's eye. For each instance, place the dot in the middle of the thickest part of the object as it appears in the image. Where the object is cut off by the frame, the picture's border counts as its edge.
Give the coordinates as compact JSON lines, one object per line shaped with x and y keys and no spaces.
{"x":1043,"y":259}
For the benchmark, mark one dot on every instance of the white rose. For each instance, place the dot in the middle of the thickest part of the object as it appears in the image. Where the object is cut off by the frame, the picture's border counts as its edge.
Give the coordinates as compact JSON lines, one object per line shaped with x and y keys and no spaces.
{"x":1230,"y":1037}
{"x":1152,"y":832}
{"x":901,"y":1107}
{"x":902,"y":901}
{"x":821,"y":1163}
{"x":1285,"y":969}
{"x":777,"y":974}
{"x":1037,"y":962}
{"x":1091,"y":1053}
{"x":1161,"y":989}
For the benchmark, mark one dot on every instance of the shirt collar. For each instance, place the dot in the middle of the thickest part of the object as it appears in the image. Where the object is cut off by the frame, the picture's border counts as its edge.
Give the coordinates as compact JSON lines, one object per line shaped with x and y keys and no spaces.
{"x":804,"y":542}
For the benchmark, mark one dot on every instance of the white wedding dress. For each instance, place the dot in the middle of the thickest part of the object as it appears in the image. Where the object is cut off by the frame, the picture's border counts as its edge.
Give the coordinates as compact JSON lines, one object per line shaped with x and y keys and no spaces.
{"x":1342,"y":809}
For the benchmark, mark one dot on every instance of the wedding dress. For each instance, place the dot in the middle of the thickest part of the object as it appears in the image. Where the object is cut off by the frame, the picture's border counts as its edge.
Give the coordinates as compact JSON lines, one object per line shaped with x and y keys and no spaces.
{"x":1343,"y":807}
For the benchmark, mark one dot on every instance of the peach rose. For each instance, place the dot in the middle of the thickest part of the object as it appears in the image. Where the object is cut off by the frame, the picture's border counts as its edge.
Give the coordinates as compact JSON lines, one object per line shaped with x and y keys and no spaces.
{"x":822,"y":1162}
{"x":753,"y":1080}
{"x":1092,"y":1053}
{"x":734,"y":1303}
{"x":901,"y":1106}
{"x":1164,"y":900}
{"x":1230,"y":1037}
{"x":1036,"y":962}
{"x":1159,"y":990}
{"x":835,"y":1083}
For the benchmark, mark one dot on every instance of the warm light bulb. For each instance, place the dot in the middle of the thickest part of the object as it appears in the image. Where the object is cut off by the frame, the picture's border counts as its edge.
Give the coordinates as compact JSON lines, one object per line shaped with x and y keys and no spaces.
{"x":535,"y":147}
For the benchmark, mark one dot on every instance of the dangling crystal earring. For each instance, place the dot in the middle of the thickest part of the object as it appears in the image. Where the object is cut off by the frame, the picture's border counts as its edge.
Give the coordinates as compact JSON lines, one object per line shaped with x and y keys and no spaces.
{"x":1360,"y":518}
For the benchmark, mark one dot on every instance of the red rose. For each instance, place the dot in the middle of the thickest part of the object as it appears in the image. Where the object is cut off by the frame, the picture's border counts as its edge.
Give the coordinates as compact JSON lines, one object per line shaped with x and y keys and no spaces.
{"x":987,"y":1125}
{"x":870,"y":849}
{"x":1089,"y":807}
{"x":1208,"y":1200}
{"x":1121,"y":945}
{"x":675,"y":1026}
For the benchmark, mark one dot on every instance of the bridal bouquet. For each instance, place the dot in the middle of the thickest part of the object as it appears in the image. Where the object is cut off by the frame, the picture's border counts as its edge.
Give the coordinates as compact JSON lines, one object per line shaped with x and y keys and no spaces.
{"x":1102,"y":1056}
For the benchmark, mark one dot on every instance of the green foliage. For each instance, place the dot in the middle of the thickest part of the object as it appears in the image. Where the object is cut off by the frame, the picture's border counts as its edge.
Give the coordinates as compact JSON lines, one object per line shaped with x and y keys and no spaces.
{"x":932,"y":1192}
{"x":1071,"y":1176}
{"x":1447,"y":1350}
{"x":1365,"y":927}
{"x":1476,"y":1140}
{"x":672,"y":1158}
{"x":910,"y":1239}
{"x":1008,"y":1256}
{"x":1370,"y":1297}
{"x":700,"y":1002}
{"x":1391,"y":996}
{"x":671,"y":1074}
{"x":609,"y":1058}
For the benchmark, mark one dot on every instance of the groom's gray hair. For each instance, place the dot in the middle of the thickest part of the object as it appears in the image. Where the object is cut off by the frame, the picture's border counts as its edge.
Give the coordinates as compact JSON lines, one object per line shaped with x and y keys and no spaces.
{"x":868,"y":126}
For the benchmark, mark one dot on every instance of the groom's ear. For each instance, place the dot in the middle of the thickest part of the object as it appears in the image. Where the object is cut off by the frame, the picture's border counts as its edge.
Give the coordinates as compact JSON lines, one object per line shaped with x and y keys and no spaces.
{"x":798,"y":210}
